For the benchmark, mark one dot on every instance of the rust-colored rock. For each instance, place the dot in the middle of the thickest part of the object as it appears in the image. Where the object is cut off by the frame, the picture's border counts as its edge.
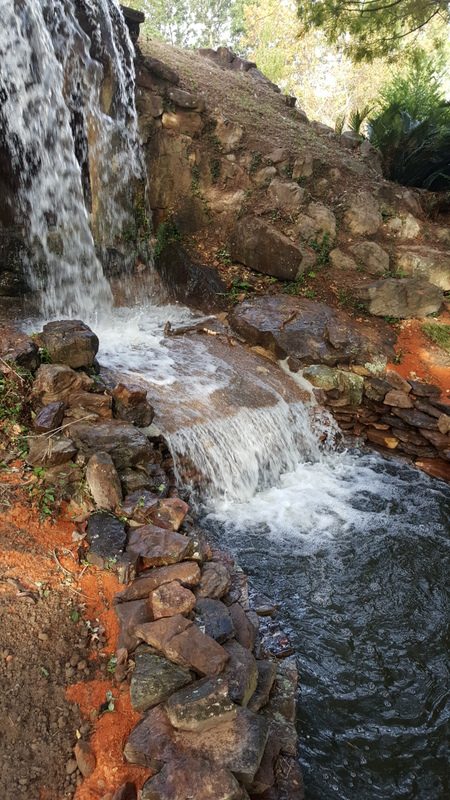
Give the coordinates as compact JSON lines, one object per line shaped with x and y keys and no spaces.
{"x":215,"y":581}
{"x":170,"y":599}
{"x":183,"y":643}
{"x":399,"y":399}
{"x":103,"y":481}
{"x":85,"y":758}
{"x":245,"y":631}
{"x":131,"y":617}
{"x":170,"y":513}
{"x":87,"y":404}
{"x":186,"y":572}
{"x":150,"y":743}
{"x":139,"y":505}
{"x":158,"y":547}
{"x":192,"y":778}
{"x":49,"y":417}
{"x":131,"y":404}
{"x":55,"y":382}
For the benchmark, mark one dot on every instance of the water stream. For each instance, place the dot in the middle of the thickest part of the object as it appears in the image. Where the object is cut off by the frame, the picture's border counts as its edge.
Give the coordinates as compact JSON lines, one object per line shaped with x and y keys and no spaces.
{"x":353,"y":547}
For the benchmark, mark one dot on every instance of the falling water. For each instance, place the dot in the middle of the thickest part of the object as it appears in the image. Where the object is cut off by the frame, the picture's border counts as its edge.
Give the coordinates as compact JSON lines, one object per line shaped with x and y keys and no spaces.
{"x":56,"y":115}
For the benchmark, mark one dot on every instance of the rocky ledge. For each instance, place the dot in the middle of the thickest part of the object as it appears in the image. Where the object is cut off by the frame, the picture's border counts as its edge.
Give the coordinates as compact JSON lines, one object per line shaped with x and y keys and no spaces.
{"x":209,"y":670}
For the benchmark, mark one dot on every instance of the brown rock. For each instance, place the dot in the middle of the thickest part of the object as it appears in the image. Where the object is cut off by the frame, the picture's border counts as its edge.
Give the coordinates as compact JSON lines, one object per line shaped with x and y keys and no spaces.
{"x":213,"y":617}
{"x":70,"y":342}
{"x":16,"y":347}
{"x":183,"y":643}
{"x":154,"y":679}
{"x":150,"y":742}
{"x":161,"y":70}
{"x":103,"y":481}
{"x":55,"y":383}
{"x":131,"y":404}
{"x":125,"y":444}
{"x":186,"y":572}
{"x":159,"y":634}
{"x":444,"y":423}
{"x":397,"y":382}
{"x":427,"y":408}
{"x":139,"y":505}
{"x":49,"y":417}
{"x":185,"y":99}
{"x":170,"y":513}
{"x":436,"y":467}
{"x":50,"y":451}
{"x":382,"y":438}
{"x":170,"y":599}
{"x":131,"y":617}
{"x":266,"y":676}
{"x":201,"y":706}
{"x":241,"y":672}
{"x":416,"y":418}
{"x":86,"y":404}
{"x":188,"y":123}
{"x":215,"y":580}
{"x":245,"y":631}
{"x":85,"y":758}
{"x":127,"y":791}
{"x":158,"y":547}
{"x":192,"y":778}
{"x":439,"y":440}
{"x":422,"y":389}
{"x":260,"y":246}
{"x":402,"y":298}
{"x":399,"y":399}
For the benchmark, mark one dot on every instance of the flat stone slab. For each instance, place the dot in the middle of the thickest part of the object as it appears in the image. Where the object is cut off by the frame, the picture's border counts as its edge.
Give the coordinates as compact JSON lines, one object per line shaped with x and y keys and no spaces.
{"x":150,"y":743}
{"x":214,"y":619}
{"x":154,"y":679}
{"x":186,"y":572}
{"x":130,"y":615}
{"x":157,"y":546}
{"x":125,"y":444}
{"x":182,"y":642}
{"x":201,"y":706}
{"x":215,"y":580}
{"x":171,"y":598}
{"x":106,"y":537}
{"x":266,"y":676}
{"x":192,"y":778}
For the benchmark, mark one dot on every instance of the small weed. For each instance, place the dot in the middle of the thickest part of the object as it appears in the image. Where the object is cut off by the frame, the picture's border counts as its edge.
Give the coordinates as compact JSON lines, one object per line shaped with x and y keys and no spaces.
{"x":47,"y":502}
{"x":224,"y":256}
{"x":294,"y":287}
{"x":390,"y":320}
{"x":322,"y":249}
{"x":439,"y":334}
{"x":302,"y":181}
{"x":166,"y":234}
{"x":215,"y":167}
{"x":15,"y":385}
{"x":237,"y":288}
{"x":310,"y":294}
{"x":398,"y":358}
{"x":45,"y":355}
{"x":255,"y":163}
{"x":75,"y":615}
{"x":112,"y":664}
{"x":288,"y":170}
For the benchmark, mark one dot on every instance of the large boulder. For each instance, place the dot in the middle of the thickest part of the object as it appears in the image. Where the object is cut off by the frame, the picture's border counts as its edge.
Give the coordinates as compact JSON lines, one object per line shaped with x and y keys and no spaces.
{"x":402,"y":298}
{"x":192,"y":777}
{"x":305,"y":331}
{"x":363,"y":216}
{"x":287,"y":196}
{"x":154,"y":679}
{"x":371,"y":257}
{"x":425,"y":262}
{"x":70,"y":342}
{"x":59,"y":383}
{"x":125,"y":444}
{"x":188,"y":281}
{"x":260,"y":246}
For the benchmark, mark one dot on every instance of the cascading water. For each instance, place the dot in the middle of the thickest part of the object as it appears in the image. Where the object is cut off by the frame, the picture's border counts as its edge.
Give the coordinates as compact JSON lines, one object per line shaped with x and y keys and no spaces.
{"x":54,"y":106}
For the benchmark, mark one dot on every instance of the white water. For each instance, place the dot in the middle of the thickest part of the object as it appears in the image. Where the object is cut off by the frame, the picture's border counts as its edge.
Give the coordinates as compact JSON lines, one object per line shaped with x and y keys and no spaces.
{"x":49,"y":87}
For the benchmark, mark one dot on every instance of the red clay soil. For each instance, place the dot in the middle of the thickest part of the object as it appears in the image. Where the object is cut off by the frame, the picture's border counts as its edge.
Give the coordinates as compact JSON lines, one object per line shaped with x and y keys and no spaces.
{"x":419,"y":357}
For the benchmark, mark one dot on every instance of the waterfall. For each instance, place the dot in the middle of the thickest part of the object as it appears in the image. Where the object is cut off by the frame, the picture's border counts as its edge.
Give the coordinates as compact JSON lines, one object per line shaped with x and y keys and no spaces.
{"x":68,"y":119}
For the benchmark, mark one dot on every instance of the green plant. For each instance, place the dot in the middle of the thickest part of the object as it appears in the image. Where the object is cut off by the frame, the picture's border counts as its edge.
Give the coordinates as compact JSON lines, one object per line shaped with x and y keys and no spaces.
{"x":357,"y":117}
{"x":166,"y":234}
{"x":390,"y":320}
{"x":323,"y":249}
{"x":255,"y":163}
{"x":288,"y":170}
{"x":238,"y":287}
{"x":224,"y":256}
{"x":45,"y":355}
{"x":339,"y":124}
{"x":15,"y":386}
{"x":438,"y":333}
{"x":398,"y":358}
{"x":215,"y":167}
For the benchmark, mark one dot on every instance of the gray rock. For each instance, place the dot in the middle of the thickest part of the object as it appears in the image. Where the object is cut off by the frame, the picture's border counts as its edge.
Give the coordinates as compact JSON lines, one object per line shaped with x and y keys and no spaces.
{"x":214,"y":619}
{"x":363,"y":216}
{"x":49,"y":418}
{"x":266,"y":675}
{"x":154,"y":679}
{"x":201,"y":706}
{"x":425,"y":262}
{"x":260,"y":246}
{"x":131,"y":404}
{"x":106,"y":537}
{"x":286,"y":195}
{"x":125,"y":444}
{"x":215,"y":580}
{"x":241,"y":672}
{"x":402,"y":298}
{"x":372,"y":257}
{"x":187,"y":777}
{"x":103,"y":481}
{"x":50,"y":451}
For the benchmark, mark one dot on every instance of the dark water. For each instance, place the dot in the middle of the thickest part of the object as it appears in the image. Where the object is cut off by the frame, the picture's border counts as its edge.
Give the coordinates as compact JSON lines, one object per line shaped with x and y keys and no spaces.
{"x":364,"y":597}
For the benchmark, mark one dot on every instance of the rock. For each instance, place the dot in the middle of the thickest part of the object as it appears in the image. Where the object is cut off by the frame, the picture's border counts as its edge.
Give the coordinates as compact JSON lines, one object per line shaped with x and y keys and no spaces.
{"x":183,"y":643}
{"x":245,"y":631}
{"x":85,"y":758}
{"x":170,"y":513}
{"x":183,"y":99}
{"x":317,"y":223}
{"x":214,"y":619}
{"x":186,"y":279}
{"x":398,"y":399}
{"x":363,"y":216}
{"x":264,"y":176}
{"x":351,"y":139}
{"x":130,"y":616}
{"x":70,"y":342}
{"x":16,"y":347}
{"x":127,"y":791}
{"x":150,"y":743}
{"x":241,"y":673}
{"x":372,"y":257}
{"x":416,"y":418}
{"x":57,"y":383}
{"x":154,"y":679}
{"x":187,"y":573}
{"x":140,"y":505}
{"x":425,"y":262}
{"x":406,"y":227}
{"x":303,"y":167}
{"x":103,"y":481}
{"x":149,"y":105}
{"x":340,"y":260}
{"x":422,"y":389}
{"x":106,"y":537}
{"x":125,"y":444}
{"x":444,"y":423}
{"x":286,"y":195}
{"x":215,"y":580}
{"x":237,"y":745}
{"x":187,"y":123}
{"x":161,"y":70}
{"x":304,"y":331}
{"x":85,"y":404}
{"x":71,"y":766}
{"x":402,"y":298}
{"x":439,"y":440}
{"x":260,"y":246}
{"x":192,"y":778}
{"x":394,"y":379}
{"x":349,"y":387}
{"x":49,"y":417}
{"x":436,"y":467}
{"x":229,"y":134}
{"x":201,"y":706}
{"x":50,"y":451}
{"x":131,"y":405}
{"x":266,"y":676}
{"x":382,"y":438}
{"x":171,"y":598}
{"x":158,"y":547}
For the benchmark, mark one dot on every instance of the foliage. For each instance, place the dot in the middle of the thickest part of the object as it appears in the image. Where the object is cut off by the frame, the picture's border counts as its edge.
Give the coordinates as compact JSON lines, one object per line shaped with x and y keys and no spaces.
{"x":166,"y":234}
{"x":357,"y":118}
{"x":15,"y":384}
{"x":439,"y":334}
{"x":368,"y":29}
{"x":322,"y":249}
{"x":192,"y":23}
{"x":239,"y":287}
{"x":412,"y":126}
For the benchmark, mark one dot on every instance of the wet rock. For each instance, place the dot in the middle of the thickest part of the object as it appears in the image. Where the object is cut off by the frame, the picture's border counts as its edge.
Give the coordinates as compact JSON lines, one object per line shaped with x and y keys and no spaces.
{"x":244,"y":630}
{"x":139,"y":505}
{"x":372,"y":257}
{"x":237,"y":745}
{"x":103,"y":481}
{"x":150,"y":742}
{"x":363,"y":216}
{"x":186,"y":572}
{"x":305,"y":331}
{"x":127,"y":791}
{"x":347,"y":388}
{"x":154,"y":679}
{"x":49,"y":417}
{"x":215,"y":580}
{"x":171,"y":598}
{"x":50,"y":451}
{"x":70,"y":342}
{"x":187,"y":280}
{"x":201,"y":706}
{"x":106,"y":537}
{"x":158,"y":547}
{"x":284,"y":691}
{"x":131,"y":615}
{"x":214,"y":619}
{"x":266,"y":676}
{"x":260,"y":246}
{"x":125,"y":444}
{"x":417,"y":419}
{"x":55,"y":383}
{"x":192,"y":778}
{"x":183,"y":643}
{"x":86,"y":404}
{"x":131,"y":405}
{"x":382,"y":438}
{"x":401,"y":298}
{"x":85,"y":758}
{"x":241,"y":672}
{"x":170,"y":513}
